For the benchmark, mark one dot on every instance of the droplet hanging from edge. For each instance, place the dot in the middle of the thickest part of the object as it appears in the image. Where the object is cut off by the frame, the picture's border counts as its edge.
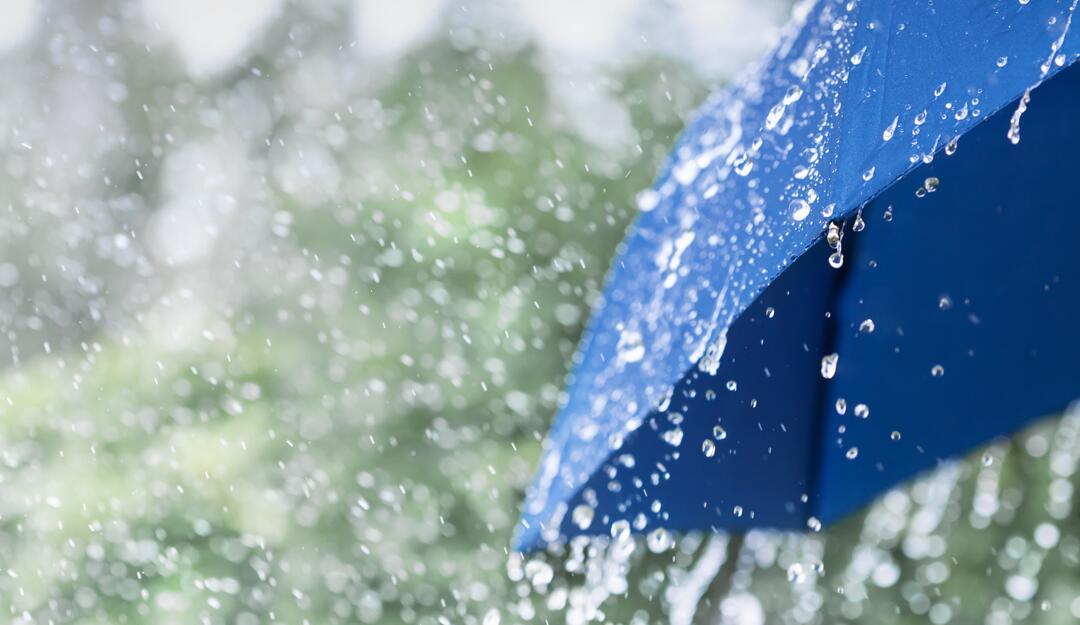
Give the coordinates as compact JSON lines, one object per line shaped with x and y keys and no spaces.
{"x":1014,"y":122}
{"x":836,"y":260}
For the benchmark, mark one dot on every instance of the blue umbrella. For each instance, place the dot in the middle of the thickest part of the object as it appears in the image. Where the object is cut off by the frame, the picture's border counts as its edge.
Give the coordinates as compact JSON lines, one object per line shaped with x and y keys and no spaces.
{"x":858,"y":262}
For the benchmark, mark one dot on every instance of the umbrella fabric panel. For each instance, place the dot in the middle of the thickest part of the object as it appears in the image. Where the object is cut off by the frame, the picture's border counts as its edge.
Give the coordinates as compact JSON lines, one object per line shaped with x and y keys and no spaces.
{"x":980,"y":278}
{"x":764,"y":398}
{"x":754,"y":181}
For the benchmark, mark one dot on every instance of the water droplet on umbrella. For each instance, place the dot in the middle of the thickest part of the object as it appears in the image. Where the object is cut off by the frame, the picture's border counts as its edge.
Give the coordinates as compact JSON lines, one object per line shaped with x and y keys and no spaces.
{"x":631,"y":348}
{"x":940,"y":89}
{"x":796,"y":574}
{"x":647,"y":200}
{"x":868,"y":174}
{"x":937,"y":371}
{"x":859,"y":224}
{"x":620,"y":530}
{"x":800,"y":209}
{"x":862,"y":411}
{"x":828,"y":365}
{"x":944,"y":302}
{"x":732,"y":385}
{"x":931,"y":184}
{"x":950,"y":147}
{"x":920,"y":119}
{"x":770,"y":312}
{"x":890,"y":130}
{"x":867,"y":326}
{"x":710,"y":395}
{"x":819,"y":567}
{"x":813,"y":524}
{"x":742,"y":164}
{"x":895,"y":435}
{"x":719,"y":433}
{"x":1002,"y":61}
{"x":737,"y":511}
{"x":858,"y":56}
{"x":792,"y":95}
{"x":841,"y":406}
{"x":774,"y":116}
{"x":836,"y":260}
{"x":708,"y":447}
{"x":673,"y":437}
{"x":582,"y":516}
{"x":852,"y":453}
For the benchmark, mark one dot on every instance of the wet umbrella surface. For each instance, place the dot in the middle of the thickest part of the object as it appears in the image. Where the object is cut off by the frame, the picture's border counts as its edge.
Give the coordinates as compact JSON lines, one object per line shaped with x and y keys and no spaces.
{"x":858,"y":262}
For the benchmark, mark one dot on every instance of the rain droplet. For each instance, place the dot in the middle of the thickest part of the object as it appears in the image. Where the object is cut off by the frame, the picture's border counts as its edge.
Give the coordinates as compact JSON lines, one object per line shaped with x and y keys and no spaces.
{"x":796,"y":574}
{"x":719,"y":433}
{"x":836,"y":260}
{"x":950,"y":147}
{"x":852,"y":453}
{"x":673,"y":437}
{"x":620,"y":530}
{"x":862,"y":411}
{"x":937,"y":371}
{"x":647,"y":200}
{"x":887,"y":215}
{"x":895,"y":435}
{"x":659,"y":540}
{"x":732,"y":385}
{"x":841,"y":406}
{"x":1002,"y":61}
{"x":887,"y":134}
{"x":931,"y":184}
{"x":737,"y":511}
{"x":828,"y":365}
{"x":940,"y":89}
{"x":920,"y":119}
{"x":770,"y":312}
{"x":867,"y":326}
{"x":708,"y":447}
{"x":868,"y":174}
{"x":944,"y":302}
{"x":583,"y":516}
{"x":800,"y":209}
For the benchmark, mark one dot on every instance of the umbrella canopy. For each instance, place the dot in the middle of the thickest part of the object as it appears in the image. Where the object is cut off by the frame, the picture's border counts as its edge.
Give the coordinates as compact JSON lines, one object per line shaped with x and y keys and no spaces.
{"x":824,"y":294}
